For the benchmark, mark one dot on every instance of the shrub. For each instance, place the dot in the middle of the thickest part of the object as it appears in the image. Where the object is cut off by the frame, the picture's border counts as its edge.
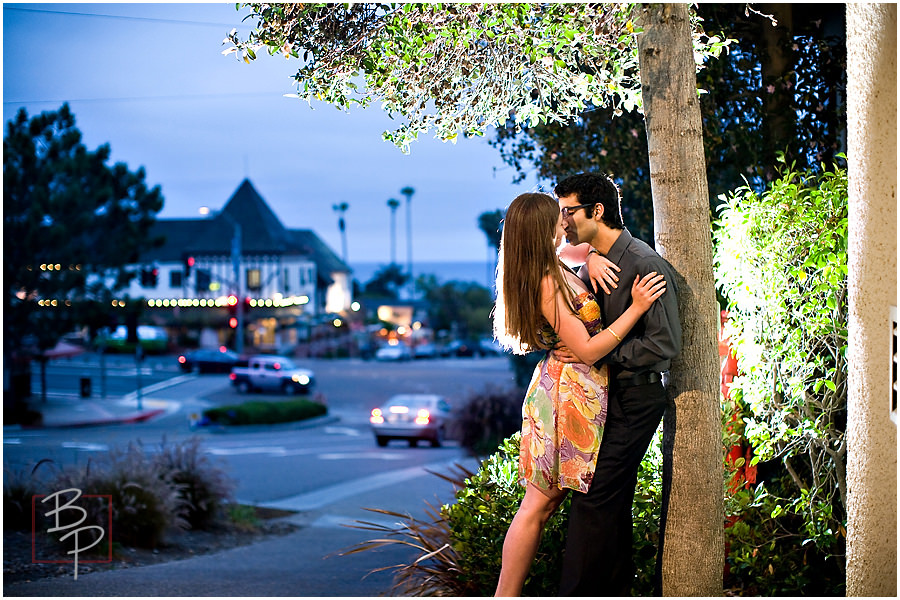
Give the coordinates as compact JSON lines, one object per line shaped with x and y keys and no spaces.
{"x":487,"y":418}
{"x":203,"y":487}
{"x":781,"y":262}
{"x":146,"y":503}
{"x":264,"y":413}
{"x":18,"y":490}
{"x":460,"y":549}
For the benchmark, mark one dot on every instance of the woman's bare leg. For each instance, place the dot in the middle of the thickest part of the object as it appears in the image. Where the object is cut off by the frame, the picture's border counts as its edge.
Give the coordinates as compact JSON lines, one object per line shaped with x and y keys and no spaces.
{"x":523,"y":537}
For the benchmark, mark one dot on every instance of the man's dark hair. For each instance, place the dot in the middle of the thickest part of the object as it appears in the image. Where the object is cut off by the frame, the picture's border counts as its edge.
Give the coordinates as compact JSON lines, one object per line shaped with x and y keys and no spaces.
{"x":595,"y":188}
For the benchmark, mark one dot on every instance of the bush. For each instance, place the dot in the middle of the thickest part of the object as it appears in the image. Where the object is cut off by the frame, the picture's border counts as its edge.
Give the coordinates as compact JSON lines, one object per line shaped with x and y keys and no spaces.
{"x":487,"y":418}
{"x":264,"y":413}
{"x":202,"y":487}
{"x":781,"y":262}
{"x":764,"y":557}
{"x":460,"y":550}
{"x":18,"y":490}
{"x":146,"y":503}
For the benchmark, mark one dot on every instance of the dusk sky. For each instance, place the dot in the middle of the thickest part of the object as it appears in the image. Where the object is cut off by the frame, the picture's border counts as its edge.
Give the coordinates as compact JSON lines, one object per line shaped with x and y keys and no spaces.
{"x":150,"y":80}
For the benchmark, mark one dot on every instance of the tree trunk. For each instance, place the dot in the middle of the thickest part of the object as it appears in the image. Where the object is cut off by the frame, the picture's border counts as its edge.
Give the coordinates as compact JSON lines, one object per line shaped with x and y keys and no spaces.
{"x":692,"y":552}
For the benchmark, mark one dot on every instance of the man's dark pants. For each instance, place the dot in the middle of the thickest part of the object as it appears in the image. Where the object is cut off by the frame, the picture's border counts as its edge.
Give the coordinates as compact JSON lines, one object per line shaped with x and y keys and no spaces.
{"x":598,"y":560}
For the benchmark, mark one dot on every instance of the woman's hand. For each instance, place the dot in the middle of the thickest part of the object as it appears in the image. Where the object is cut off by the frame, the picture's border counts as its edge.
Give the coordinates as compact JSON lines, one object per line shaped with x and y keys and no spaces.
{"x":602,"y":272}
{"x":646,"y":290}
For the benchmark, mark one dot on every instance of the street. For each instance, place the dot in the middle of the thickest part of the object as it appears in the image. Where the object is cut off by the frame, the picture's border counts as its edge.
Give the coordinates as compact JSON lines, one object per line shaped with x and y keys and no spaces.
{"x":327,"y":473}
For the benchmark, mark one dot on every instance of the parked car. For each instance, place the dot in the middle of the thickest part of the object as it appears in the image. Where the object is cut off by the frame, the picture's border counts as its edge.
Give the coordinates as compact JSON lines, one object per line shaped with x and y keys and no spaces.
{"x":395,"y":352}
{"x":411,"y":417}
{"x":426,"y":350}
{"x":462,"y":348}
{"x":490,"y":347}
{"x":153,"y":340}
{"x":272,"y":373}
{"x":210,"y":361}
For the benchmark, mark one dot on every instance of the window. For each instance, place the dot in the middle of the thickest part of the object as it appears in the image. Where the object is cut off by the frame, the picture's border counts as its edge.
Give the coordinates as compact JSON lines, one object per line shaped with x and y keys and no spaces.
{"x":254,"y":279}
{"x":203,"y":281}
{"x":175,"y":279}
{"x":302,"y":276}
{"x":287,"y":281}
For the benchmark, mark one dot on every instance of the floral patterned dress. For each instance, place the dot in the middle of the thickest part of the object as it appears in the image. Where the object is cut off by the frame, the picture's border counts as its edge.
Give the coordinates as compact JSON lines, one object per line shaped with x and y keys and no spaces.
{"x":564,"y":413}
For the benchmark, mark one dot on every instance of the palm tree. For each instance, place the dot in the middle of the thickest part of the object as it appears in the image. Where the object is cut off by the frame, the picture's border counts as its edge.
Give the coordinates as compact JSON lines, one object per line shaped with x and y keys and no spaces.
{"x":342,"y":226}
{"x":393,"y":204}
{"x":491,"y":223}
{"x":408,"y":192}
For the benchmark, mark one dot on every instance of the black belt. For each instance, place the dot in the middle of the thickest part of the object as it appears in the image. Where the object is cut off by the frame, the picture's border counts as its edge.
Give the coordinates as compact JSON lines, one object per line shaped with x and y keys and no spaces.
{"x":638,"y":379}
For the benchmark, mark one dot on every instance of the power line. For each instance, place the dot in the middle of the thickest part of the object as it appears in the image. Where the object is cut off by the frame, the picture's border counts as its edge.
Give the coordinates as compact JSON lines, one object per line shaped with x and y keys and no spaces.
{"x":123,"y":17}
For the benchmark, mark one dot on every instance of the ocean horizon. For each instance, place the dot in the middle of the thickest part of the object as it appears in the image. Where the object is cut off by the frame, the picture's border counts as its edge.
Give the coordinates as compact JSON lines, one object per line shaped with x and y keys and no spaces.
{"x":475,"y":271}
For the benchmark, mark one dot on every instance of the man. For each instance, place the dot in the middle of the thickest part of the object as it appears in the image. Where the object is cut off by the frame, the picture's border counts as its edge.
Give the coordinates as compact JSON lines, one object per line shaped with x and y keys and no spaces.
{"x":598,"y":559}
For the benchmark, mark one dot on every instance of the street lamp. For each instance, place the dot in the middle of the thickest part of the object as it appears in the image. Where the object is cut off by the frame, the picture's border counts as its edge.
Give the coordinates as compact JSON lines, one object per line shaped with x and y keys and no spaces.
{"x":408,"y":192}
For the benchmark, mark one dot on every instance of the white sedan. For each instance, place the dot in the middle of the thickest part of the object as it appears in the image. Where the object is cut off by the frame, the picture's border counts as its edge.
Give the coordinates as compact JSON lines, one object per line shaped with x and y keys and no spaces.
{"x":412,"y":417}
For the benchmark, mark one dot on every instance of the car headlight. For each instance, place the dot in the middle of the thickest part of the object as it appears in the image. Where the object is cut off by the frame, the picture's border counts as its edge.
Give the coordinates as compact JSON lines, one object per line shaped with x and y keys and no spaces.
{"x":301,"y":379}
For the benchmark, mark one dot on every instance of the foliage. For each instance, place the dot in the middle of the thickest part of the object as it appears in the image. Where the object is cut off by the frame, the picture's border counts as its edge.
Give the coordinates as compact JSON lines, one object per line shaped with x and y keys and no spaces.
{"x":458,"y":68}
{"x":264,"y":413}
{"x":203,"y":487}
{"x":461,"y":307}
{"x":491,"y":223}
{"x":386,"y":283}
{"x":485,"y":419}
{"x":460,"y":548}
{"x":765,"y":556}
{"x":18,"y":490}
{"x":71,"y":224}
{"x":146,"y":503}
{"x":740,"y":140}
{"x":781,"y":261}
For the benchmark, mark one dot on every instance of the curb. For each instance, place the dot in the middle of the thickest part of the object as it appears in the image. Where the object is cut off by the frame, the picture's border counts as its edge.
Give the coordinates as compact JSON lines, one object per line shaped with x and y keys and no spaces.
{"x":305,"y":424}
{"x":125,"y":420}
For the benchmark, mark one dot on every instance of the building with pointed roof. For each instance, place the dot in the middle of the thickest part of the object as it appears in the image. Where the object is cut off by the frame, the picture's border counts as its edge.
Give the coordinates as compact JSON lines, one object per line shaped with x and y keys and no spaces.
{"x":283,"y":278}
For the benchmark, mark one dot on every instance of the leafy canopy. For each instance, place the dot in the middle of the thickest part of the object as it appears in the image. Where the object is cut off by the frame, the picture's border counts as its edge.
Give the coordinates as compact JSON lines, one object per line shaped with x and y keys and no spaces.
{"x":71,"y":225}
{"x":458,"y":68}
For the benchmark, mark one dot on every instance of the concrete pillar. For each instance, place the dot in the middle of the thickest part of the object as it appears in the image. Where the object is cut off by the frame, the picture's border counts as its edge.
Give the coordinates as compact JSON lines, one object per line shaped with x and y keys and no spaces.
{"x":871,"y":434}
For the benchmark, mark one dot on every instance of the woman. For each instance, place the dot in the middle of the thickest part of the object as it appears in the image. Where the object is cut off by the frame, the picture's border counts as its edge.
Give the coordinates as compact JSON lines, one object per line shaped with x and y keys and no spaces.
{"x":541,"y":302}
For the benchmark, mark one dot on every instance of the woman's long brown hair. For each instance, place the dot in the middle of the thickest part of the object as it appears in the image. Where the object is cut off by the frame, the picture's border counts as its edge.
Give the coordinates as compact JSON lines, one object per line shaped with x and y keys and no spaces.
{"x":527,"y":254}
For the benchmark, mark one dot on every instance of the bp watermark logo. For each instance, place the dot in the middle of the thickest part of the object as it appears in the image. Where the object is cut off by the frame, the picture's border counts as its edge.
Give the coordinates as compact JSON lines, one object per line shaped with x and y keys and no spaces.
{"x":63,"y":514}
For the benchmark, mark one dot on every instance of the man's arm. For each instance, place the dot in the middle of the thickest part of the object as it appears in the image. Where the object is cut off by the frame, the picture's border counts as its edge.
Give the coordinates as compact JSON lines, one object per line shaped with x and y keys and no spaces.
{"x":661,"y":336}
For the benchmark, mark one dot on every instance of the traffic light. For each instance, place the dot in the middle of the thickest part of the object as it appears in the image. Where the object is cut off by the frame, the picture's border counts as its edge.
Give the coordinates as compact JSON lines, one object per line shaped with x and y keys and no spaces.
{"x":232,"y":302}
{"x":188,"y":263}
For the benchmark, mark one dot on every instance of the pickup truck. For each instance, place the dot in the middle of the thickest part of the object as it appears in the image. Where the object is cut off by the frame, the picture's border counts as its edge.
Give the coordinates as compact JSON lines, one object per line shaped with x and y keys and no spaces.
{"x":274,"y":373}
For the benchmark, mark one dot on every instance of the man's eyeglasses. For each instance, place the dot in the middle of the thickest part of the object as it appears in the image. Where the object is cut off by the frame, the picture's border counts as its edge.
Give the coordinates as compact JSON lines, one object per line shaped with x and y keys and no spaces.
{"x":568,"y":210}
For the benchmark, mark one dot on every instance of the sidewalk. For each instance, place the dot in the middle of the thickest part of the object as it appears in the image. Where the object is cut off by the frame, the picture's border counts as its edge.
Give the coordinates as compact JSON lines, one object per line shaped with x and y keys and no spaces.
{"x":71,"y":410}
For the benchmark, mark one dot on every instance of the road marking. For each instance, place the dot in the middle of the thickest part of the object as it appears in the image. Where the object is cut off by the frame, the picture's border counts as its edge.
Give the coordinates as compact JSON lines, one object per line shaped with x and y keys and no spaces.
{"x":270,"y":450}
{"x":343,"y":431}
{"x":331,"y":494}
{"x":161,"y":385}
{"x":86,"y":446}
{"x":12,"y":441}
{"x":363,"y":455}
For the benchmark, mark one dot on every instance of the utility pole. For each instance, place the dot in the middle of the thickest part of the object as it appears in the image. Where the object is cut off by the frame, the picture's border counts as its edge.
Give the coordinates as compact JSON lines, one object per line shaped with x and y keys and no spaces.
{"x":236,"y":264}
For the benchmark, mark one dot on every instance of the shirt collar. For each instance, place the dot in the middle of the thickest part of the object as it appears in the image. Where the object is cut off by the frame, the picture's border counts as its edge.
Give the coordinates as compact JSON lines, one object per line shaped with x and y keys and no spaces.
{"x":618,"y":248}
